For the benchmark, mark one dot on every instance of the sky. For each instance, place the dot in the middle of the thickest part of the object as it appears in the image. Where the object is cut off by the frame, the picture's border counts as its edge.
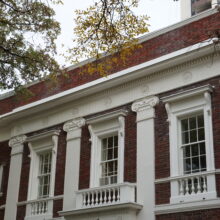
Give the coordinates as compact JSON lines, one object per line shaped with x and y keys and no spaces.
{"x":162,"y":13}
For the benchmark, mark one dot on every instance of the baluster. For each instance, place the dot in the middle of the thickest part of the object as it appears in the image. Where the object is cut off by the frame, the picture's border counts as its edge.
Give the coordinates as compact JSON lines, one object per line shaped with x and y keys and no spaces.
{"x":109,"y":196}
{"x":113,"y":198}
{"x":105,"y":196}
{"x":181,"y":187}
{"x":204,"y":184}
{"x":84,"y":199}
{"x":96,"y":198}
{"x":199,"y":185}
{"x":41,"y":207}
{"x":187,"y":186}
{"x":119,"y":195}
{"x":192,"y":186}
{"x":92,"y":202}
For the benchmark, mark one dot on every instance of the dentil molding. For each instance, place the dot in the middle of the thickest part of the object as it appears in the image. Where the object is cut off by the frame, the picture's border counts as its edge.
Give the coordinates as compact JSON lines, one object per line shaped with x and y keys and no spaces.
{"x":74,"y":124}
{"x":145,"y":104}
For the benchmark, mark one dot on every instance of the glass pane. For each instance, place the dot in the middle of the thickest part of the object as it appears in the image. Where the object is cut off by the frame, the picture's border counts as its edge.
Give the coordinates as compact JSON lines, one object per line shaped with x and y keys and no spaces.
{"x":192,"y":123}
{"x":201,"y":134}
{"x":195,"y":150}
{"x":203,"y":162}
{"x":187,"y":165}
{"x":185,"y":137}
{"x":104,"y":155}
{"x":195,"y":164}
{"x":186,"y":151}
{"x":110,"y":142}
{"x":115,"y":140}
{"x":202,"y":148}
{"x":193,"y":136}
{"x":110,"y":154}
{"x":115,"y":153}
{"x":184,"y":125}
{"x":200,"y":121}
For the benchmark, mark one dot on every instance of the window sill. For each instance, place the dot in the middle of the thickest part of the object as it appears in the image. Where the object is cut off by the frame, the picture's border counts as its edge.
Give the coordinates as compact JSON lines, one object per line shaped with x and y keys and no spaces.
{"x":187,"y":206}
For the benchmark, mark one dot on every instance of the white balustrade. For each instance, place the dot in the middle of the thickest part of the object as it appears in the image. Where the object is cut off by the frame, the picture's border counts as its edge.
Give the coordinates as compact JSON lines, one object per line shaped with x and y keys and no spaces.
{"x":39,"y":207}
{"x":193,"y":187}
{"x":106,"y":195}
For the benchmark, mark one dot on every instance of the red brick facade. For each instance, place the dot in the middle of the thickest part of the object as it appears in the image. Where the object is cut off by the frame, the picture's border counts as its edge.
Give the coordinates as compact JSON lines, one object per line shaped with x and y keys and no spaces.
{"x":166,"y":43}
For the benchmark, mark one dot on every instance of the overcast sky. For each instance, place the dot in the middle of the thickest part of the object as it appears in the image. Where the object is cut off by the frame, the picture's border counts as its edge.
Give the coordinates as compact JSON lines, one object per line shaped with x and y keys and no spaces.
{"x":162,"y":13}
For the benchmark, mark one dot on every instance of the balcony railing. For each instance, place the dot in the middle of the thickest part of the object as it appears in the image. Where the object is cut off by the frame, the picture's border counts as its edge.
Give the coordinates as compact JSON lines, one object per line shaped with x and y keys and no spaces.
{"x":39,"y":207}
{"x":198,"y":186}
{"x":106,"y":195}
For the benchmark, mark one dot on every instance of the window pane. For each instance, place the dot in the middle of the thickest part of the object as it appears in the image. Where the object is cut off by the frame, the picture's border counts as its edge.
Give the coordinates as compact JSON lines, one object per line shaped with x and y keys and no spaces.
{"x":203,"y":162}
{"x":201,"y":134}
{"x":195,"y":164}
{"x":200,"y":121}
{"x":187,"y":165}
{"x":115,"y":141}
{"x":186,"y":151}
{"x":202,"y":148}
{"x":192,"y":123}
{"x":185,"y":137}
{"x":110,"y":142}
{"x":193,"y":136}
{"x":184,"y":125}
{"x":195,"y":150}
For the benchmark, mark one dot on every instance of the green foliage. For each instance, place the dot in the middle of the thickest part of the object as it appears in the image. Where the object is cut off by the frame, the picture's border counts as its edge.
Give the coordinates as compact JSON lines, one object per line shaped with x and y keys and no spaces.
{"x":21,"y":60}
{"x":107,"y":27}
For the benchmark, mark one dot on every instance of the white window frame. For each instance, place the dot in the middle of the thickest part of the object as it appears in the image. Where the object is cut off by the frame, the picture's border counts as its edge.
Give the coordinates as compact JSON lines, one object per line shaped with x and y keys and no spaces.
{"x":38,"y":144}
{"x":104,"y":126}
{"x":178,"y":106}
{"x":1,"y":179}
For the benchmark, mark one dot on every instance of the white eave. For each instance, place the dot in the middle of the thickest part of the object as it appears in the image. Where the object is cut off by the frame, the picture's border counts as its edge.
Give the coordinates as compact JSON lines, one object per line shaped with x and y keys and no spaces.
{"x":129,"y":74}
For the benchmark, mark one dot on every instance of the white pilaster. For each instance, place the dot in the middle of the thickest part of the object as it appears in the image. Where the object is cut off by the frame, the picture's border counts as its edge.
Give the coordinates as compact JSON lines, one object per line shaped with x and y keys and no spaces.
{"x":145,"y":156}
{"x":17,"y":145}
{"x":73,"y":129}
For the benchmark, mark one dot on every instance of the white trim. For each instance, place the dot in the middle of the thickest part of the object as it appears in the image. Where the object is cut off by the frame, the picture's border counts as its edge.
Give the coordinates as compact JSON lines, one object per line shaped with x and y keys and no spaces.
{"x":168,"y":179}
{"x":113,"y":79}
{"x":187,"y":207}
{"x":183,"y":104}
{"x":46,"y":141}
{"x":111,"y":123}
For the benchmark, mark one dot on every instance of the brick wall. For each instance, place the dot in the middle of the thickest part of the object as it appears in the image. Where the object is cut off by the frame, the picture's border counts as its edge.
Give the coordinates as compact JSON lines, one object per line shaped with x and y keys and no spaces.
{"x":209,"y":214}
{"x":166,"y":43}
{"x":162,"y":161}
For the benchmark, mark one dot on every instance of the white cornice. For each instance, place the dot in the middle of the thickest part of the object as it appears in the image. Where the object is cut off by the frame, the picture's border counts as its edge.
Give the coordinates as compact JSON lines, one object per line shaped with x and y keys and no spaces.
{"x":128,"y":75}
{"x":187,"y":93}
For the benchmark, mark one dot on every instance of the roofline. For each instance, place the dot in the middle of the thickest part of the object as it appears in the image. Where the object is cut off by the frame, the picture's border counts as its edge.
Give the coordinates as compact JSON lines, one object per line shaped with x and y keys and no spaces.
{"x":203,"y":48}
{"x":142,"y":39}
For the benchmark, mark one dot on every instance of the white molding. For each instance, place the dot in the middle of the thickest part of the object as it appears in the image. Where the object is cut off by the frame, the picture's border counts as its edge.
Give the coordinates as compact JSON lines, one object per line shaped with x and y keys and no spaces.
{"x":1,"y":175}
{"x":45,"y":141}
{"x":168,"y":179}
{"x":187,"y":93}
{"x":108,"y":208}
{"x":73,"y":124}
{"x":102,"y":126}
{"x":115,"y":79}
{"x":187,"y":207}
{"x":178,"y":105}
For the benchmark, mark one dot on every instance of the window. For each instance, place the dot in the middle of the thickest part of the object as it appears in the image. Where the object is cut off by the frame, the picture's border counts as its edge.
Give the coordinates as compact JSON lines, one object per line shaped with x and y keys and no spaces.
{"x":1,"y":178}
{"x":44,"y":175}
{"x":198,"y":6}
{"x":193,"y":144}
{"x":192,"y":166}
{"x":109,"y":160}
{"x":43,"y":153}
{"x":107,"y":148}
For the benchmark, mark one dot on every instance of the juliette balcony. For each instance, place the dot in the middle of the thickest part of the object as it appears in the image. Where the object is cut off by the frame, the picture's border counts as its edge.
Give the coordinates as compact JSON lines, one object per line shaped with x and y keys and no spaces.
{"x":106,"y":195}
{"x":198,"y":186}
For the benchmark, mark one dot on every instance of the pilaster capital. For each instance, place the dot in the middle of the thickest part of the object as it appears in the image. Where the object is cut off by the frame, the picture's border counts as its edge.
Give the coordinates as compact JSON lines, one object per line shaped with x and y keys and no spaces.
{"x":145,"y":104}
{"x":74,"y":124}
{"x":16,"y":143}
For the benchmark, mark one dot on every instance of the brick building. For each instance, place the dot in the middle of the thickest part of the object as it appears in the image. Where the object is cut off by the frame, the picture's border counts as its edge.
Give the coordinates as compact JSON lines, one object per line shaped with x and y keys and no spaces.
{"x":142,"y":143}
